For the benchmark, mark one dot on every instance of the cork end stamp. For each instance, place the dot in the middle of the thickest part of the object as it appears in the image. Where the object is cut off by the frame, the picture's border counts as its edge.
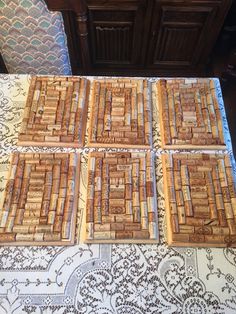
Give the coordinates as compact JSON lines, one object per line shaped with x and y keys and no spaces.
{"x":41,"y":200}
{"x":200,"y":196}
{"x":121,"y":198}
{"x":121,"y":114}
{"x":55,"y":113}
{"x":190,"y":114}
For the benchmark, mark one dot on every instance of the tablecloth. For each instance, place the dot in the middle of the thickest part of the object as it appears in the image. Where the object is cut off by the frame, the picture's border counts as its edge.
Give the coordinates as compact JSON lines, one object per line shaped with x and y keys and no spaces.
{"x":104,"y":278}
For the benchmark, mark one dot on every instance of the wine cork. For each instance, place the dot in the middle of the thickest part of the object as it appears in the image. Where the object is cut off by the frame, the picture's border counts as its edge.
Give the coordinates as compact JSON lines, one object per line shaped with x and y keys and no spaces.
{"x":56,"y":236}
{"x":38,"y":237}
{"x":44,"y":228}
{"x":184,"y":175}
{"x":24,"y":237}
{"x":89,"y":211}
{"x":104,"y":235}
{"x":174,"y":223}
{"x":90,"y":230}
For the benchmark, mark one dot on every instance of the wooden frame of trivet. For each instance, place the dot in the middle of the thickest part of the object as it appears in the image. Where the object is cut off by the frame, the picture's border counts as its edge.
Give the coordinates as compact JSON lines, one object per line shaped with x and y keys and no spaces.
{"x":72,"y":239}
{"x":58,"y":144}
{"x":181,"y":146}
{"x":170,"y":241}
{"x":125,"y":241}
{"x":117,"y":145}
{"x":167,"y":203}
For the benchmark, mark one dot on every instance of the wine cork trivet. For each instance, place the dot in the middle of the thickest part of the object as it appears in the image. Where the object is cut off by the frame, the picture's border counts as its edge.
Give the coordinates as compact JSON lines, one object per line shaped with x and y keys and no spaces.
{"x":121,"y":114}
{"x":120,"y":207}
{"x":55,"y":112}
{"x":201,"y":207}
{"x":190,"y":116}
{"x":40,"y":203}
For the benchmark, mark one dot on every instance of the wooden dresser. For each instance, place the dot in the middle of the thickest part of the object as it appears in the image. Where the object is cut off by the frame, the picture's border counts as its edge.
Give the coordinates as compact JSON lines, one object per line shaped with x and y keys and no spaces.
{"x":141,"y":37}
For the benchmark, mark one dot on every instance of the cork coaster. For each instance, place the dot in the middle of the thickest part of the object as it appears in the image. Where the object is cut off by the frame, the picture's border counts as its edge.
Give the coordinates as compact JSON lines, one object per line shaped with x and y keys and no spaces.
{"x":121,"y":198}
{"x":40,"y":203}
{"x":121,"y":114}
{"x":200,"y":198}
{"x":55,"y":112}
{"x":190,"y":114}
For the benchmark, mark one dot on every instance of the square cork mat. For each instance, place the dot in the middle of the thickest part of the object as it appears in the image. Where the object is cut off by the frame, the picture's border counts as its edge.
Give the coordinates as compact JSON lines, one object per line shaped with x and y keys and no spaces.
{"x":41,"y":199}
{"x":200,"y":199}
{"x":190,"y":116}
{"x":55,"y":112}
{"x":120,"y":114}
{"x":121,"y":198}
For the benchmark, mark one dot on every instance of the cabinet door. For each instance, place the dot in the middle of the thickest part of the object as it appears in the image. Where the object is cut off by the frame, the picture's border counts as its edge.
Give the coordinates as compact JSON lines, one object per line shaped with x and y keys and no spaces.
{"x":115,"y":32}
{"x":181,"y":31}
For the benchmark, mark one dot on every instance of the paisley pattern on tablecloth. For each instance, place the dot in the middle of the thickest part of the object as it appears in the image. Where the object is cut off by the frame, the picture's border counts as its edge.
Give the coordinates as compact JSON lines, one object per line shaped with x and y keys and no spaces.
{"x":32,"y":39}
{"x":108,"y":279}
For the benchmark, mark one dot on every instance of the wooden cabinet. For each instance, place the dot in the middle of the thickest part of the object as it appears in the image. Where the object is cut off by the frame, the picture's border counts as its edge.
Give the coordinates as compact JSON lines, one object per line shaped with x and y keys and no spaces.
{"x":183,"y":32}
{"x":116,"y":33}
{"x":141,"y":37}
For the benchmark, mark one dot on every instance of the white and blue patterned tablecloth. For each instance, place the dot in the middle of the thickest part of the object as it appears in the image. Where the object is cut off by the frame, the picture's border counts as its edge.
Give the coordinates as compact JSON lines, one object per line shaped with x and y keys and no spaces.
{"x":108,"y":279}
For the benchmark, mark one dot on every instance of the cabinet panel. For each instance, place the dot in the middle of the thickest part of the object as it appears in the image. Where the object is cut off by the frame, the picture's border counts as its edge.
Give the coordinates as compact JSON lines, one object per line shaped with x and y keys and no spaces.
{"x":181,"y":40}
{"x":115,"y":33}
{"x":179,"y":33}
